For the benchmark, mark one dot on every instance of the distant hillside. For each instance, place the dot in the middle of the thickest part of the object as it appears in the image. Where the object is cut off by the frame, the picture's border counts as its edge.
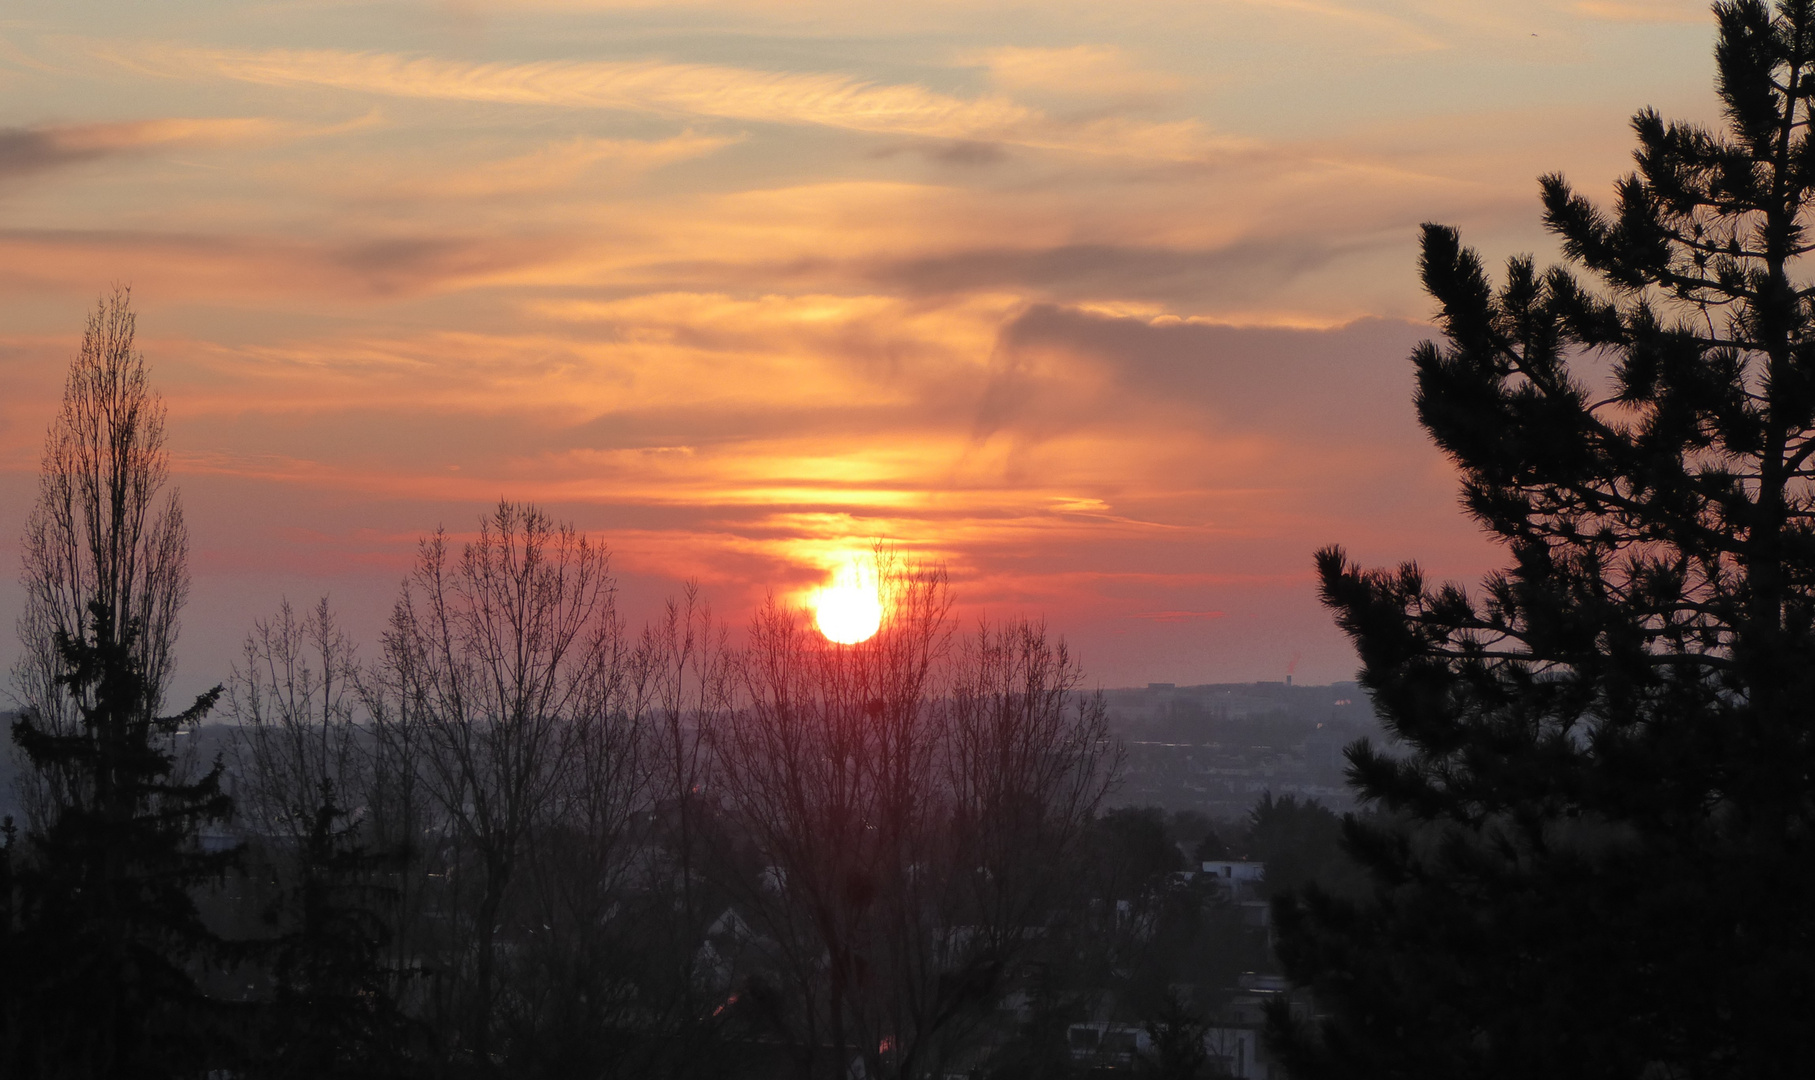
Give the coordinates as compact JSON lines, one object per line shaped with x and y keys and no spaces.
{"x":1211,"y":748}
{"x":203,"y":744}
{"x":1215,"y":748}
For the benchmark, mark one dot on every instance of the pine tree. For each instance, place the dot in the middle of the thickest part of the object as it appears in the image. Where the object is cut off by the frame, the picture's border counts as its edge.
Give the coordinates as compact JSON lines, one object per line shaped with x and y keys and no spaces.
{"x":103,"y":935}
{"x":106,"y":528}
{"x":1176,"y":1032}
{"x":1597,"y":844}
{"x":107,"y":940}
{"x":334,"y":1014}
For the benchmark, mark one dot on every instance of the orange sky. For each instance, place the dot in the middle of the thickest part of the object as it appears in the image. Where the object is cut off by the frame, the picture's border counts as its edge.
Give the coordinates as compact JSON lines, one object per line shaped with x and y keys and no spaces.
{"x":1106,"y":306}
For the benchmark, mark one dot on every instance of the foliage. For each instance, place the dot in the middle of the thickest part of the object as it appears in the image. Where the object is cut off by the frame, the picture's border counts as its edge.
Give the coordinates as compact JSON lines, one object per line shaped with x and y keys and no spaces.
{"x":523,"y":843}
{"x":1177,"y":1034}
{"x":103,"y":934}
{"x":102,"y":530}
{"x":1600,"y":830}
{"x":333,"y":1013}
{"x":1136,"y":848}
{"x":106,"y":931}
{"x":1300,"y":842}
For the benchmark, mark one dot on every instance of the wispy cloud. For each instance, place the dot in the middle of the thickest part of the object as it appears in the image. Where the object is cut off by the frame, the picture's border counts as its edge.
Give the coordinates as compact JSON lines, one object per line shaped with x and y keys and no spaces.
{"x":199,"y":264}
{"x":1118,"y":271}
{"x":1656,"y":11}
{"x":1393,"y":27}
{"x":692,"y":90}
{"x":1089,"y":71}
{"x":551,"y":168}
{"x":742,"y":285}
{"x":26,"y":150}
{"x":1176,"y":616}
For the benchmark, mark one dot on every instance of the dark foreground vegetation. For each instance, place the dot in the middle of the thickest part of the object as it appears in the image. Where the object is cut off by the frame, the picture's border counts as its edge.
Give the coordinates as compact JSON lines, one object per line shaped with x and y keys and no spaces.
{"x":1599,"y":844}
{"x":516,"y":839}
{"x":513,"y":838}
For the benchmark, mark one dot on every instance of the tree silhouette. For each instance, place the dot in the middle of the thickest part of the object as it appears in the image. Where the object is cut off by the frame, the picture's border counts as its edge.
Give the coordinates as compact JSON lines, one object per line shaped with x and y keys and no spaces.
{"x":508,"y":661}
{"x":107,"y":935}
{"x":333,"y":1012}
{"x":1299,"y":842}
{"x":105,"y":940}
{"x":1598,"y":844}
{"x":1177,"y":1034}
{"x":914,"y":810}
{"x":103,"y":529}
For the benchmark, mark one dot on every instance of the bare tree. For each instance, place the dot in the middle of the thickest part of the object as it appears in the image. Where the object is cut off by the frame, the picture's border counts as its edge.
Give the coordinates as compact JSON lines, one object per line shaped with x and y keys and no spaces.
{"x":329,"y":884}
{"x":403,"y":816}
{"x":914,"y":809}
{"x":820,"y":766}
{"x":107,"y":937}
{"x":1026,"y":762}
{"x":1020,"y":765}
{"x":572,"y":993}
{"x":685,"y":680}
{"x":503,"y":657}
{"x":295,"y":699}
{"x":684,"y":674}
{"x":104,"y":530}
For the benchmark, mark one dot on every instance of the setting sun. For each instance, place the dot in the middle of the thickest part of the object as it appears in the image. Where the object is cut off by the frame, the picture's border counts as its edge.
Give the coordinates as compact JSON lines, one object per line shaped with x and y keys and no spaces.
{"x":850,"y":609}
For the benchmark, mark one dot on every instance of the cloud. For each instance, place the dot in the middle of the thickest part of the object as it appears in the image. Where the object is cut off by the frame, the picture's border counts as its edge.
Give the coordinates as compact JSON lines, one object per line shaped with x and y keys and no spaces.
{"x":784,"y":413}
{"x":694,"y":90}
{"x":1112,"y":271}
{"x":883,"y":337}
{"x":1078,"y":71}
{"x":678,"y":373}
{"x":961,"y":152}
{"x":1176,"y":616}
{"x":1349,"y":16}
{"x":1246,"y":376}
{"x":216,"y":266}
{"x":552,"y":168}
{"x":1194,"y":406}
{"x":28,"y":150}
{"x":1643,"y":11}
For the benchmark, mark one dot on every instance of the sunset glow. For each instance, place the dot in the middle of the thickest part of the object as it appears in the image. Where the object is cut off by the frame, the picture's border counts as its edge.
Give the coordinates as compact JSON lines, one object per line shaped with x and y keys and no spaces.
{"x":850,"y":609}
{"x":1108,"y":316}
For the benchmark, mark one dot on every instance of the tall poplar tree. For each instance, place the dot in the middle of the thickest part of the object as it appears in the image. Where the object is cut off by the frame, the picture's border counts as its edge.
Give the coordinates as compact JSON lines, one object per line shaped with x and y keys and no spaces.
{"x":102,"y":937}
{"x":107,"y":529}
{"x":1598,"y":846}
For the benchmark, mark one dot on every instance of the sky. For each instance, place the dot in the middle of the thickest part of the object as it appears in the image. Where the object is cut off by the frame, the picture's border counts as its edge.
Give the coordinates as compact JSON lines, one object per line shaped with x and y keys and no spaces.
{"x":1106,"y":307}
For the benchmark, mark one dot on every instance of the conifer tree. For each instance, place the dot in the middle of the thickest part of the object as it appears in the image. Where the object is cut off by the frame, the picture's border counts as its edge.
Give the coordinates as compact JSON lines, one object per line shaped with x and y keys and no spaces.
{"x":1597,"y":844}
{"x":103,"y":938}
{"x":334,"y":1014}
{"x":106,"y":938}
{"x":106,"y":528}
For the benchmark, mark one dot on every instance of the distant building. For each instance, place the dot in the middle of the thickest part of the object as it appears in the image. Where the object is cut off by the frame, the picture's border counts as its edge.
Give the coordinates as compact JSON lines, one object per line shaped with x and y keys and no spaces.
{"x":1239,"y":1052}
{"x":1236,"y":1040}
{"x":1107,"y":1045}
{"x":1241,"y":881}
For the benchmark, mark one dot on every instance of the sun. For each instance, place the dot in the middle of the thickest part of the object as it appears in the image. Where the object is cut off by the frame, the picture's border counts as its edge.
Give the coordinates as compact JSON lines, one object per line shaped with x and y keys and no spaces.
{"x":850,"y":609}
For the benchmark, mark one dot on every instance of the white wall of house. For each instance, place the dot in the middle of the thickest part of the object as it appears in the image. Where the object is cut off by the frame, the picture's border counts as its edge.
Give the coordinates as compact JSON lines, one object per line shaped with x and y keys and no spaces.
{"x":1241,"y":879}
{"x":1240,"y":1051}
